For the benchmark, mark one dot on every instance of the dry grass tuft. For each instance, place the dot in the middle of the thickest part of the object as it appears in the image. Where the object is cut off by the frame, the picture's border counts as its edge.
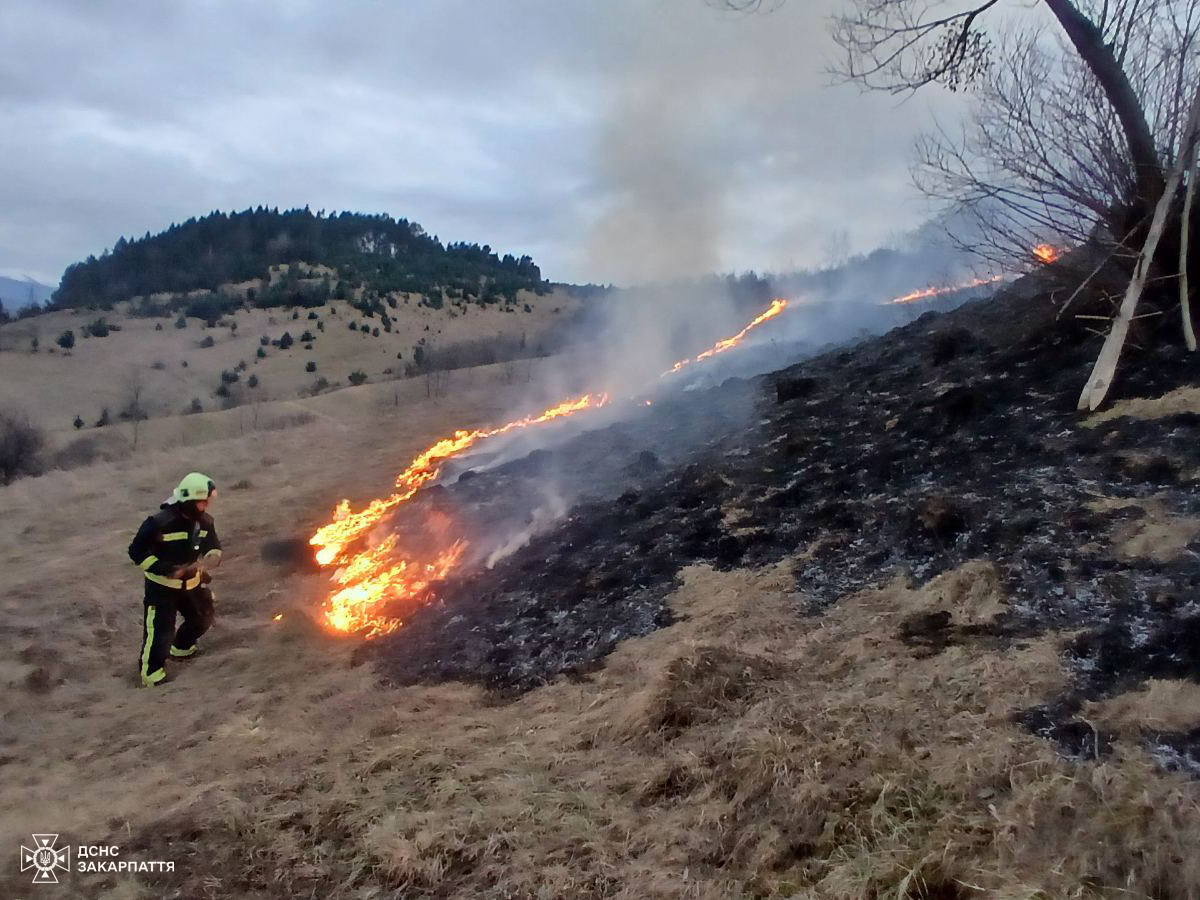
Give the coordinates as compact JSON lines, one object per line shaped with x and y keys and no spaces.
{"x":1180,"y":400}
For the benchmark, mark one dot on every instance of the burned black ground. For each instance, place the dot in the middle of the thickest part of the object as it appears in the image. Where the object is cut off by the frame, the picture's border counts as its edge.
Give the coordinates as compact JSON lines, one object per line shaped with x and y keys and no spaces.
{"x":950,"y":439}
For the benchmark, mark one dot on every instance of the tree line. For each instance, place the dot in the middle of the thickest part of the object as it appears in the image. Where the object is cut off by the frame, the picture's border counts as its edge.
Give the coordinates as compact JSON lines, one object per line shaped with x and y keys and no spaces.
{"x":374,"y":252}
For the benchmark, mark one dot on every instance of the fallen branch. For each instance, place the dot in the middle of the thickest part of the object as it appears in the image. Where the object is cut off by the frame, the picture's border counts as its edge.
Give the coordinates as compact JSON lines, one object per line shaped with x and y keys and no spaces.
{"x":1105,"y":368}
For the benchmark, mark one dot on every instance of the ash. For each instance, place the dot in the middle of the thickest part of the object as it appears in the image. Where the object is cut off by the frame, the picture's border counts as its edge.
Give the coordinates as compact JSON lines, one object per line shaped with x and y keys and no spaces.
{"x":950,"y":439}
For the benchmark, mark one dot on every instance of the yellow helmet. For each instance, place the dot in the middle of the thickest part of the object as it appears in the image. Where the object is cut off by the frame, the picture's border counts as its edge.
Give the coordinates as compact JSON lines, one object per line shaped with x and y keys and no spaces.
{"x":195,"y":486}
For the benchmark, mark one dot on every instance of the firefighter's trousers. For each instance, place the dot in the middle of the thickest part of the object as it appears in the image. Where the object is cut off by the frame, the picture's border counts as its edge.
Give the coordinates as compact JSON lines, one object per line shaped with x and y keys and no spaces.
{"x":159,"y":636}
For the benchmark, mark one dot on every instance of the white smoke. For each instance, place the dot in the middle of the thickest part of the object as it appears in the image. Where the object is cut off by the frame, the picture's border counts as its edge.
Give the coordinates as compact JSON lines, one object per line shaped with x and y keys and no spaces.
{"x":541,"y":518}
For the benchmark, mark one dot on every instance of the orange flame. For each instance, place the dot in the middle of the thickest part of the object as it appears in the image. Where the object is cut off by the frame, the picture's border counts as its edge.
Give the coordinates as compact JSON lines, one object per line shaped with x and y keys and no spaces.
{"x":371,"y":578}
{"x":926,"y":293}
{"x":377,"y":583}
{"x":777,"y":306}
{"x":1047,"y":253}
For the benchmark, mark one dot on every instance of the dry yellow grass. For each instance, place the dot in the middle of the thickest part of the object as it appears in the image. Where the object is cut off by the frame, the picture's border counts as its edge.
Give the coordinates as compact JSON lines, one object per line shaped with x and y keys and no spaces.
{"x":1155,"y":535}
{"x":1184,"y":399}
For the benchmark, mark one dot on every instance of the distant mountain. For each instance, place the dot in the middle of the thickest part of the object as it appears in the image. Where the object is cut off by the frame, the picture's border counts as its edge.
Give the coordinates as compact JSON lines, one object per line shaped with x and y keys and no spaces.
{"x":17,"y":293}
{"x":376,"y":253}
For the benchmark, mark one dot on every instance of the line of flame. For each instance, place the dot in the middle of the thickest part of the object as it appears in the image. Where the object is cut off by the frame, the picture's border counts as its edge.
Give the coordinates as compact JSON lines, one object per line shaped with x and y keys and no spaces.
{"x":777,"y":306}
{"x":926,"y":293}
{"x":377,"y":576}
{"x":347,"y":526}
{"x":1043,"y":253}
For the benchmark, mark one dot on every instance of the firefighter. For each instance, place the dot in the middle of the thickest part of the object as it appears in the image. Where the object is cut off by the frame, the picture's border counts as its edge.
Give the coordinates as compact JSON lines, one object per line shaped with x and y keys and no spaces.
{"x":176,"y":549}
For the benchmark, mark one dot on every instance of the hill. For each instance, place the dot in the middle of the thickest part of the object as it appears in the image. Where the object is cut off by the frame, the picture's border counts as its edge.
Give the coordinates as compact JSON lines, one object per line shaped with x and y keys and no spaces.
{"x":363,"y":255}
{"x":18,"y":293}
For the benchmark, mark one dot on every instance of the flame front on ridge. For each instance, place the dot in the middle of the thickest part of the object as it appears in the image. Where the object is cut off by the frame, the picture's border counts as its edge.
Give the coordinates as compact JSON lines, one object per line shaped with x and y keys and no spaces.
{"x":376,"y":585}
{"x":926,"y":293}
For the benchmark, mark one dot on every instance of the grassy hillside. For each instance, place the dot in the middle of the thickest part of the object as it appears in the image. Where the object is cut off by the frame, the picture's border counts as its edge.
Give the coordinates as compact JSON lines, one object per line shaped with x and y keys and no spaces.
{"x":176,"y":366}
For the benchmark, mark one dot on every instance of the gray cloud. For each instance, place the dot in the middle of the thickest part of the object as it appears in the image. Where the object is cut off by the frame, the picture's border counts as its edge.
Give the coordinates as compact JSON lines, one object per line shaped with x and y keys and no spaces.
{"x":620,"y":140}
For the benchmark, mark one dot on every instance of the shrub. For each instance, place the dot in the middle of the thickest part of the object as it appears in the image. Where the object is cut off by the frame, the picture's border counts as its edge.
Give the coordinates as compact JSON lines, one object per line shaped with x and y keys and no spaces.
{"x":158,"y":364}
{"x":240,"y":367}
{"x":21,"y":445}
{"x":358,"y":377}
{"x":183,"y":363}
{"x":354,"y":326}
{"x":261,"y":354}
{"x":364,"y":328}
{"x":66,"y":340}
{"x":78,"y":423}
{"x":158,"y":326}
{"x":228,"y":377}
{"x":181,"y":322}
{"x":252,"y":381}
{"x":285,"y":340}
{"x":207,"y":342}
{"x":312,"y":316}
{"x":97,"y":328}
{"x":307,"y":337}
{"x":196,"y":407}
{"x":264,"y":341}
{"x":222,"y":391}
{"x":310,"y":366}
{"x":295,"y":313}
{"x":105,"y":419}
{"x":320,"y":325}
{"x":375,"y":332}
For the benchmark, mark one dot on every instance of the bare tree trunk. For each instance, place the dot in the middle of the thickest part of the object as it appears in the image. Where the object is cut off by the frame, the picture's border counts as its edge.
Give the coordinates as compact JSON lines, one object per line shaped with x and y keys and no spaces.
{"x":1106,"y":363}
{"x":1185,"y":306}
{"x":1089,"y":42}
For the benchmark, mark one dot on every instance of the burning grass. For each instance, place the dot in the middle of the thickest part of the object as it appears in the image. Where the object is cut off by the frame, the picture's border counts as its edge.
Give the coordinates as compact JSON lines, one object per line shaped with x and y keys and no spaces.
{"x":378,"y":583}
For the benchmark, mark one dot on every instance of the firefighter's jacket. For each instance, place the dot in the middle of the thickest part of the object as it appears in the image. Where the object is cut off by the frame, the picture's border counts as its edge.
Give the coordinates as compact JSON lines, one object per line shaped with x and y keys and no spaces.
{"x":168,"y":540}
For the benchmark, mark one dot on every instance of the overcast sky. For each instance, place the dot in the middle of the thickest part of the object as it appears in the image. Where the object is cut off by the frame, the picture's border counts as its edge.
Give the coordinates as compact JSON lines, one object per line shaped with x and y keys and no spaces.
{"x":612,"y":140}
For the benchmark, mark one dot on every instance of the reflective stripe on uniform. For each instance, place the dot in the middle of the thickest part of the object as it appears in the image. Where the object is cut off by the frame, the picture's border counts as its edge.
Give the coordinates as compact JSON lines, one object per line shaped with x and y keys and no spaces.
{"x":213,"y":553}
{"x":149,"y":642}
{"x":154,"y":677}
{"x":203,"y":533}
{"x":176,"y":583}
{"x":147,"y":562}
{"x":180,"y":654}
{"x":176,"y":536}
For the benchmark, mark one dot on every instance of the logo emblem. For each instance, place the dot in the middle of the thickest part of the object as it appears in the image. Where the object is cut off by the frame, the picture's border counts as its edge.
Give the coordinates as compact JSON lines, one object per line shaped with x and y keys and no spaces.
{"x":45,"y":858}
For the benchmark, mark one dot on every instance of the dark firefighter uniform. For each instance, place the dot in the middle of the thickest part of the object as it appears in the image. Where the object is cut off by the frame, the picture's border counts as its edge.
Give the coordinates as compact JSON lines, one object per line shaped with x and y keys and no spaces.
{"x":170,"y":543}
